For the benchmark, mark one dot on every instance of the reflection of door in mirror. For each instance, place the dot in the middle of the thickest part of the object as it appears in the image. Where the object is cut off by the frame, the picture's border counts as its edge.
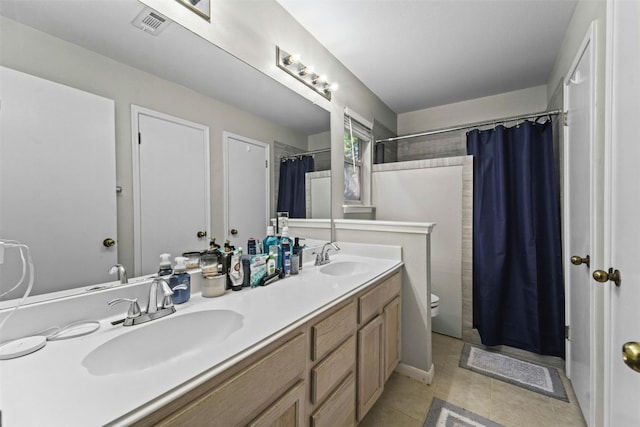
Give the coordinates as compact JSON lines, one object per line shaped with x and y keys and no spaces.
{"x":171,"y":197}
{"x":247,"y":189}
{"x":57,"y":182}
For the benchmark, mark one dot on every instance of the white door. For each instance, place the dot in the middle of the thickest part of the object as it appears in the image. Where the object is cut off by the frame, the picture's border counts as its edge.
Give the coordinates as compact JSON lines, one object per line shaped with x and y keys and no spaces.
{"x":579,"y":223}
{"x":57,"y":182}
{"x":171,"y":199}
{"x":247,"y":189}
{"x":622,"y":323}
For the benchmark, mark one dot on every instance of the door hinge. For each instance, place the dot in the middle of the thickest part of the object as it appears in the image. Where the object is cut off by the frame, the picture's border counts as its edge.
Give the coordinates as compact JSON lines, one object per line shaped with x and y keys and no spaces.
{"x":566,"y":332}
{"x":565,"y":118}
{"x":266,"y":163}
{"x":139,"y":138}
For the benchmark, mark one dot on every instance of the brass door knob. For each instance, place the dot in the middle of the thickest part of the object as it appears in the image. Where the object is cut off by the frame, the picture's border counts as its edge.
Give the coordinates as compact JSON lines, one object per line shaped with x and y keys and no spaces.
{"x":108,"y":242}
{"x":201,"y":234}
{"x":613,"y":275}
{"x":577,"y":260}
{"x":631,"y":355}
{"x":234,"y":231}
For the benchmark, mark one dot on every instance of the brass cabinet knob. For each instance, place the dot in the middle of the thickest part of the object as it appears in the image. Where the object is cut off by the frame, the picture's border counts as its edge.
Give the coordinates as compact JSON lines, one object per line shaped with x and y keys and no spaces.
{"x":577,"y":260}
{"x":234,"y":231}
{"x":603,"y":276}
{"x":108,"y":242}
{"x":631,"y":355}
{"x":201,"y":234}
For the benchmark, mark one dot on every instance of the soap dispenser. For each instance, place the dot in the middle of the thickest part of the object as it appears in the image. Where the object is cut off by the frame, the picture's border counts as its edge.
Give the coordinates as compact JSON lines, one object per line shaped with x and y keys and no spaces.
{"x":180,"y":277}
{"x":165,"y":265}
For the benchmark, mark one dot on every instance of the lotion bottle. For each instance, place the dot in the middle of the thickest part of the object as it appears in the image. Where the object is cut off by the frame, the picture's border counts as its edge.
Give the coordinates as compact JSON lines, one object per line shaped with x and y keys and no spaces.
{"x":271,"y":264}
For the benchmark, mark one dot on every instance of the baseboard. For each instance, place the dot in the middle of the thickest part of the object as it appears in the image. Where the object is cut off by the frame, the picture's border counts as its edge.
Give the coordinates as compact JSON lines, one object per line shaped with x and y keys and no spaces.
{"x":415,"y":373}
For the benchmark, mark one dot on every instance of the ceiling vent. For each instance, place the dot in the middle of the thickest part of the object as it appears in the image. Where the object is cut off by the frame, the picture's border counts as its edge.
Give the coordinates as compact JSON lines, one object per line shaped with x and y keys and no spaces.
{"x":151,"y":21}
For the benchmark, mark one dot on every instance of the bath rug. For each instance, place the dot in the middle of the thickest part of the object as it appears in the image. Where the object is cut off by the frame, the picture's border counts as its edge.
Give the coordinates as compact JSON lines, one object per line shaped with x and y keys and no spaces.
{"x":445,"y":414}
{"x":532,"y":376}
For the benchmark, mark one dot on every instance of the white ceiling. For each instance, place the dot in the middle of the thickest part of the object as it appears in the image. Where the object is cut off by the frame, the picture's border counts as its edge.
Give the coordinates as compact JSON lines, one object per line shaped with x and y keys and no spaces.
{"x":413,"y":54}
{"x":417,"y":54}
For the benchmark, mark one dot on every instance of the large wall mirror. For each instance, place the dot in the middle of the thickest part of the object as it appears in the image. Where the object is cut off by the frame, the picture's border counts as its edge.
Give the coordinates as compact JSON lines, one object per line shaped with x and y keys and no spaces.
{"x":94,"y":47}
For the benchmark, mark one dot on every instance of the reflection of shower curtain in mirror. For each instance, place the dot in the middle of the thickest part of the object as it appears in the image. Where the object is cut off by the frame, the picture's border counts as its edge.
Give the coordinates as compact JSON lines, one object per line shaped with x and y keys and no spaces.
{"x":291,"y":189}
{"x":518,"y":289}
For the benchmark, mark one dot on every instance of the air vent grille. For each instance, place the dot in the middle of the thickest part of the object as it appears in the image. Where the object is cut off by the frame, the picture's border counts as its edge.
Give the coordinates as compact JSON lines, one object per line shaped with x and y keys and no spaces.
{"x":151,"y":21}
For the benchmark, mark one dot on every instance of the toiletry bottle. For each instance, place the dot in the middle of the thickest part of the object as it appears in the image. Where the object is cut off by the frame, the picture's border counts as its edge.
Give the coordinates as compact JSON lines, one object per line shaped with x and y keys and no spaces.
{"x":286,"y":257}
{"x":271,"y":244}
{"x":285,"y":250}
{"x":251,"y":246}
{"x":236,"y":272}
{"x":165,"y":265}
{"x":180,"y":277}
{"x":271,"y":239}
{"x":245,"y":260}
{"x":226,"y":262}
{"x":271,"y":264}
{"x":297,"y":250}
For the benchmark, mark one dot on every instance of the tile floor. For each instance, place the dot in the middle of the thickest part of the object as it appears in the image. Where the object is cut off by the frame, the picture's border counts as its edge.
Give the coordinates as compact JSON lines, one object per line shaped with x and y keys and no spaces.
{"x":405,"y":402}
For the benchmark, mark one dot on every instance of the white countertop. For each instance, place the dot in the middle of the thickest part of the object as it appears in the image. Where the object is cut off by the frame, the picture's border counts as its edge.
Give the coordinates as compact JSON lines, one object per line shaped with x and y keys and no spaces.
{"x":52,"y":387}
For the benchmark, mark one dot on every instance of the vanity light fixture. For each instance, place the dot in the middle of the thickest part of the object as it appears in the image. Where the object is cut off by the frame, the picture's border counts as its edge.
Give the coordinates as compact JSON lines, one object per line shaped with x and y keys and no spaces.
{"x":304,"y":73}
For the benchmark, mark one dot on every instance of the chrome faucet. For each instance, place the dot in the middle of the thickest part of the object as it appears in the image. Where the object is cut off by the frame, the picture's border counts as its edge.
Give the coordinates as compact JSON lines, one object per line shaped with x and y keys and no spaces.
{"x":153,"y":311}
{"x":122,"y":274}
{"x":322,"y":257}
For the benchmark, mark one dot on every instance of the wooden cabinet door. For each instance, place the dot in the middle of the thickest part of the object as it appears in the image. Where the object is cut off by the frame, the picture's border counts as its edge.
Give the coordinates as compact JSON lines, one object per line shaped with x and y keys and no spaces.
{"x":370,"y":365}
{"x":391,"y":337}
{"x":288,"y":411}
{"x":339,"y":408}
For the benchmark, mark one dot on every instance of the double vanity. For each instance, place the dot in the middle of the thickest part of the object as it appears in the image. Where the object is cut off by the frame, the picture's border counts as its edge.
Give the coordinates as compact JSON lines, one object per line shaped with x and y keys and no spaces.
{"x":312,"y":349}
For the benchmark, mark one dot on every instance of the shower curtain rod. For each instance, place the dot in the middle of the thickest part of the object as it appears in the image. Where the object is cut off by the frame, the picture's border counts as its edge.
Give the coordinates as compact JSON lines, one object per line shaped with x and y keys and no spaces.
{"x":473,"y":125}
{"x":306,"y":153}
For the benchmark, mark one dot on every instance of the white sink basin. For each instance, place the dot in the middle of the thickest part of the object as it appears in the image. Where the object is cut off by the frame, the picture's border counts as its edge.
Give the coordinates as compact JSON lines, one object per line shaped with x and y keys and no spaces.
{"x":345,"y":268}
{"x":160,"y":341}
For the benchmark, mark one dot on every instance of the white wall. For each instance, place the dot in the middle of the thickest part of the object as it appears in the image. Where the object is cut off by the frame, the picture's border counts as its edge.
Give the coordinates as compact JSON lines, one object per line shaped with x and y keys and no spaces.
{"x":438,"y":191}
{"x":524,"y":101}
{"x":416,"y":311}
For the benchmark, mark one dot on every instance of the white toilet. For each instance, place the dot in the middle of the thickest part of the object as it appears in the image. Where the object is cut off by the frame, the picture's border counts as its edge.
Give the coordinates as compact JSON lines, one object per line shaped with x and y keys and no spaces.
{"x":435,"y":305}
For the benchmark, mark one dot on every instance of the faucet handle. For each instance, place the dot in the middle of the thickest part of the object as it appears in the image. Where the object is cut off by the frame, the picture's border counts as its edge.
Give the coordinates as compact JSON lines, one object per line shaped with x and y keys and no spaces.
{"x":134,"y":308}
{"x":167,"y":301}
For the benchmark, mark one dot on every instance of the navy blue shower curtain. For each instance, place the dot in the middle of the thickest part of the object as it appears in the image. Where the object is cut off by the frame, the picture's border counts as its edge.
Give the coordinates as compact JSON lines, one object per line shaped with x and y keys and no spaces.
{"x":518,"y":290}
{"x":291,"y":188}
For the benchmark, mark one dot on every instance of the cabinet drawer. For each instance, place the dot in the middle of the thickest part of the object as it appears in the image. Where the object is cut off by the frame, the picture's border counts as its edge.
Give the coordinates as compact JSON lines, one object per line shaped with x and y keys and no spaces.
{"x":331,"y":331}
{"x":242,"y":395}
{"x":339,"y":409}
{"x":372,"y":302}
{"x":326,"y":374}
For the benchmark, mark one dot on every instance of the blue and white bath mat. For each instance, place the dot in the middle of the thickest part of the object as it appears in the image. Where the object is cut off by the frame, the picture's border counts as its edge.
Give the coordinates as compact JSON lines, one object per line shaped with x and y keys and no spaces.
{"x":445,"y":414}
{"x":532,"y":376}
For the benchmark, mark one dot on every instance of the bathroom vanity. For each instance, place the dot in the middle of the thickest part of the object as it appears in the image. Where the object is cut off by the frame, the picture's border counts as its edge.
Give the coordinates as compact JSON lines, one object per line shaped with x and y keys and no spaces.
{"x":313,"y":349}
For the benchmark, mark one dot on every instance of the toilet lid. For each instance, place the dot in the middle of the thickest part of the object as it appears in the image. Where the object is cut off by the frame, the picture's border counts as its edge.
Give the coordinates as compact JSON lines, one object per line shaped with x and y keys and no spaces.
{"x":435,"y":299}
